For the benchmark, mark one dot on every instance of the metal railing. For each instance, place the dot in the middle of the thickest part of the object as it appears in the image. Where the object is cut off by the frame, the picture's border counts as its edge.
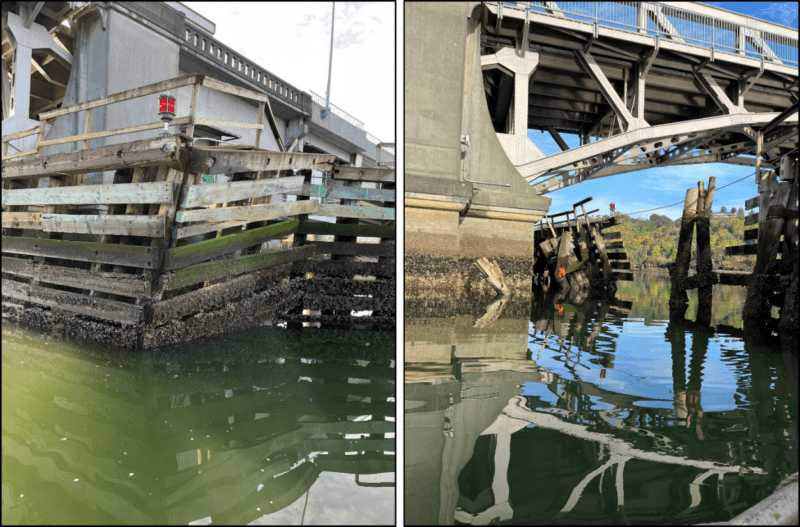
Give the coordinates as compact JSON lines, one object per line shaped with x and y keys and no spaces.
{"x":677,"y":25}
{"x":233,"y":62}
{"x":319,"y":99}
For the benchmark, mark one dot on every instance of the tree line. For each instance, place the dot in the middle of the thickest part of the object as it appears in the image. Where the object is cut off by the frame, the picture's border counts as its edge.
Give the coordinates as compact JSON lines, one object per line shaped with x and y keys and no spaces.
{"x":654,"y":242}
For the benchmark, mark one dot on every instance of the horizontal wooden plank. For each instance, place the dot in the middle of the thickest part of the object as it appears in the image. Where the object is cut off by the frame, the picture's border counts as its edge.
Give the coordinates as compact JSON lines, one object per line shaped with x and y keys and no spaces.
{"x":107,"y":282}
{"x":179,"y":257}
{"x":21,"y":154}
{"x":620,"y":265}
{"x":218,"y":85}
{"x":159,"y":192}
{"x":612,"y":235}
{"x":356,"y":211}
{"x":732,"y":277}
{"x":171,"y":84}
{"x":147,"y":152}
{"x":118,"y":131}
{"x":18,"y":135}
{"x":249,"y":213}
{"x":221,"y":268}
{"x":344,"y":229}
{"x":227,"y":124}
{"x":202,"y":228}
{"x":210,"y":194}
{"x":149,"y":226}
{"x":230,"y":161}
{"x":615,"y":245}
{"x":752,"y":219}
{"x":131,"y":255}
{"x":314,"y":191}
{"x":367,"y":194}
{"x":751,"y":234}
{"x":751,"y":203}
{"x":73,"y":302}
{"x":18,"y":266}
{"x":617,"y":256}
{"x":626,"y":277}
{"x":356,"y":249}
{"x":22,"y":220}
{"x":608,"y":222}
{"x":364,"y":174}
{"x":741,"y":250}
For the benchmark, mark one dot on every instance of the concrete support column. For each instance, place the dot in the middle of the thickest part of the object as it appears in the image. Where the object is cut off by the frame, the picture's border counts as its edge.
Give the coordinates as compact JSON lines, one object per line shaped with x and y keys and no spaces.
{"x":21,"y":84}
{"x":516,"y":143}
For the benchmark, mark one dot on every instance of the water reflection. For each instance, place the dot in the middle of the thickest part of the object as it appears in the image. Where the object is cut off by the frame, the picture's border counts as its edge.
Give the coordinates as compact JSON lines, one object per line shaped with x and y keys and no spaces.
{"x":576,"y":412}
{"x":275,"y":426}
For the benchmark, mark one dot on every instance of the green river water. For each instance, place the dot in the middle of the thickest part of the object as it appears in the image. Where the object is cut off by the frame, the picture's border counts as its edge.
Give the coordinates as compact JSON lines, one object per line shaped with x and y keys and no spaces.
{"x":577,"y":411}
{"x":273,"y":426}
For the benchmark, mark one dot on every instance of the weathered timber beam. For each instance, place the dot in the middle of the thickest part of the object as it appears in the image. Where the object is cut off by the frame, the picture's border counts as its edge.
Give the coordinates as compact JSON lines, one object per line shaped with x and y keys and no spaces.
{"x":179,"y":257}
{"x":355,"y":249}
{"x":218,"y":269}
{"x":323,"y":228}
{"x":76,"y":303}
{"x":22,"y":220}
{"x":364,"y":174}
{"x":227,"y":124}
{"x":160,"y":192}
{"x":130,"y":255}
{"x":210,"y":194}
{"x":116,"y":283}
{"x":147,"y":152}
{"x":119,"y":131}
{"x":158,"y":87}
{"x":148,"y":226}
{"x":222,"y":162}
{"x":248,"y":213}
{"x":367,"y":194}
{"x":356,"y":211}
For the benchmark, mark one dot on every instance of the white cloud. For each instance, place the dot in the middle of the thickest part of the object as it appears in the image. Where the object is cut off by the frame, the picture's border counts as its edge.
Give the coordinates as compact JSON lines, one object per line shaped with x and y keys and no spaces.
{"x":292,"y":40}
{"x":781,"y":12}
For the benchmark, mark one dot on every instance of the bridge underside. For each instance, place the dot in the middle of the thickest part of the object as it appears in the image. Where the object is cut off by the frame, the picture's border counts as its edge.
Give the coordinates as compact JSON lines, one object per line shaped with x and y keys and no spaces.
{"x":636,"y":101}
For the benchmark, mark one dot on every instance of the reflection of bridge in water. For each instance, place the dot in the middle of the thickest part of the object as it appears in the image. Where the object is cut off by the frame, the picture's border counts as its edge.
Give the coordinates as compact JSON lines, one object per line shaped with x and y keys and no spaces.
{"x":203,"y":437}
{"x":494,"y":452}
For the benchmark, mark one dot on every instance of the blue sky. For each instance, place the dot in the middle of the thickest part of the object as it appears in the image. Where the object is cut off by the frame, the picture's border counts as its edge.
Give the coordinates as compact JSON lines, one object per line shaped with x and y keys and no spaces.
{"x":647,"y":189}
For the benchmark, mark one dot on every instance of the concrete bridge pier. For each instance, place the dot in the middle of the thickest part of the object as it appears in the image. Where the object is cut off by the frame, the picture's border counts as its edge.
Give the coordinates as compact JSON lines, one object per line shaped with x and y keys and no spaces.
{"x":464,"y":198}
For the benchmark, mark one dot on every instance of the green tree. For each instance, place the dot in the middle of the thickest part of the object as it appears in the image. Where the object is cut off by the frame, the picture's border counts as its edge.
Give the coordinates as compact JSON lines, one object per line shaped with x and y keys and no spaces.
{"x":723,"y":209}
{"x":733,"y":210}
{"x":740,"y":214}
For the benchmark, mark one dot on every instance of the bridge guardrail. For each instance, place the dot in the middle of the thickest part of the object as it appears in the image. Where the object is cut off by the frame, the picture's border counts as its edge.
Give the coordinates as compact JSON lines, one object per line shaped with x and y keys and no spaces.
{"x":679,"y":25}
{"x":277,"y":87}
{"x":319,"y":99}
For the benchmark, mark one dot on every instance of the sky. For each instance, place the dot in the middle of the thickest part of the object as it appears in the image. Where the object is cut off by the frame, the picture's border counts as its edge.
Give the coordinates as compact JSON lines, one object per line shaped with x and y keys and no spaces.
{"x":648,"y":189}
{"x":292,"y":40}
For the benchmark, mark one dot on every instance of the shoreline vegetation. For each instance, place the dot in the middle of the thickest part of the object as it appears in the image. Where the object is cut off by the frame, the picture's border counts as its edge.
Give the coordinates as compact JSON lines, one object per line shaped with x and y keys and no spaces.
{"x":651,"y":244}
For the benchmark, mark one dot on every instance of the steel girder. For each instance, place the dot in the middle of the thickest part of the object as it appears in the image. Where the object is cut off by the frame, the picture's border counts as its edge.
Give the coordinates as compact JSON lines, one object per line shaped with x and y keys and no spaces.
{"x":654,"y":146}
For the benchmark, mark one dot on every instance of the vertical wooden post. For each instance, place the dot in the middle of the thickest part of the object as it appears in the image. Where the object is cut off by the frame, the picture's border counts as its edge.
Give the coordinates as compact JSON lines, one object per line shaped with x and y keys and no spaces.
{"x":87,"y":127}
{"x":679,"y":269}
{"x":772,"y":202}
{"x":704,"y":263}
{"x":193,"y":109}
{"x":260,"y":121}
{"x":788,"y":319}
